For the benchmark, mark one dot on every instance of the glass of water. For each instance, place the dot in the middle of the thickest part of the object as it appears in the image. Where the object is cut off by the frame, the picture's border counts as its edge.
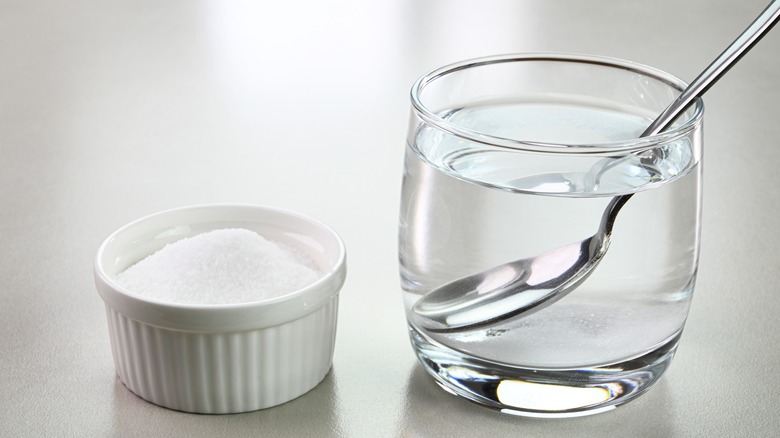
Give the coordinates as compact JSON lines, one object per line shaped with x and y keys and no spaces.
{"x":513,"y":156}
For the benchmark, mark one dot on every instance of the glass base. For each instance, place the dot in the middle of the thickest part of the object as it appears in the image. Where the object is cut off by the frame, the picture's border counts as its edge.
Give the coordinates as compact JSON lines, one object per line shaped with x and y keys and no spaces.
{"x":552,"y":393}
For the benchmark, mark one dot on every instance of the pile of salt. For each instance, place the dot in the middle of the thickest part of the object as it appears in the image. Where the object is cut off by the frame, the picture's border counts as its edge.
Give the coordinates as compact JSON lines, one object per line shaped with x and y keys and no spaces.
{"x":218,"y":267}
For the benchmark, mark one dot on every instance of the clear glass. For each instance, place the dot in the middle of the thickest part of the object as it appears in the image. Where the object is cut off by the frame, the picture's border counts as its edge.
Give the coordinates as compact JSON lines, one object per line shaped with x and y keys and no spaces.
{"x":510,"y":157}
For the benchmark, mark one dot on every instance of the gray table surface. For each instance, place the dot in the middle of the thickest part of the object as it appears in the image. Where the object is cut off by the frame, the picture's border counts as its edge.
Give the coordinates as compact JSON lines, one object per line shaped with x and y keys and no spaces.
{"x":113,"y":110}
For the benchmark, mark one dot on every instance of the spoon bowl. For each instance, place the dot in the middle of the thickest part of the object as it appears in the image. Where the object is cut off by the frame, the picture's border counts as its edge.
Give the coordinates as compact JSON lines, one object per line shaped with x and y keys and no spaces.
{"x":516,"y":288}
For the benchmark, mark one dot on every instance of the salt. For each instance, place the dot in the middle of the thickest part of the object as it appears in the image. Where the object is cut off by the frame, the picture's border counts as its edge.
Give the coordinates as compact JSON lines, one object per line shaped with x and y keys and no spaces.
{"x":219,"y":267}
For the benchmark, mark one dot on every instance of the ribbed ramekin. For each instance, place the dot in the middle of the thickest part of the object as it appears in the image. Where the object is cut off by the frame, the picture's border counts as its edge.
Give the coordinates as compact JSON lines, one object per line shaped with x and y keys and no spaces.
{"x":222,"y":358}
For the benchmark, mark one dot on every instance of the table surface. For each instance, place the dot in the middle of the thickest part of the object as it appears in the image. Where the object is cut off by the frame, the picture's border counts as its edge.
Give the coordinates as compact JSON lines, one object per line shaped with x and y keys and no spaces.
{"x":113,"y":110}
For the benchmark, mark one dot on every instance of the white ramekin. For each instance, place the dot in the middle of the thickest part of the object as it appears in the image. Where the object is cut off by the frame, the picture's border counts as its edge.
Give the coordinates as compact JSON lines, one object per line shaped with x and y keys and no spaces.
{"x":224,"y":358}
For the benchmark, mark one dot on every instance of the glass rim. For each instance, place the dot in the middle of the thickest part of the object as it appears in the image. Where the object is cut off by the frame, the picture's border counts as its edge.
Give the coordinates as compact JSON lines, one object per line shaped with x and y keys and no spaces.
{"x":629,"y":145}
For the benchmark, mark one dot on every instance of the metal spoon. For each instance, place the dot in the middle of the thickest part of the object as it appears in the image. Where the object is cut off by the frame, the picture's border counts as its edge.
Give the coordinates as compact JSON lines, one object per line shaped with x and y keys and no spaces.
{"x":528,"y":285}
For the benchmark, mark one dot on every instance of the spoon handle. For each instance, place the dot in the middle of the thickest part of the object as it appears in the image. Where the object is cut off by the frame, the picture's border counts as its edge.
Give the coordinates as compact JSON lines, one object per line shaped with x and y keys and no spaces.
{"x":744,"y":42}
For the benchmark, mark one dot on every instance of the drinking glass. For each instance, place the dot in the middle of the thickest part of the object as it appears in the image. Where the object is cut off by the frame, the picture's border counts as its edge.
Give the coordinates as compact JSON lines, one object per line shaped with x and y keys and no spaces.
{"x":509,"y":157}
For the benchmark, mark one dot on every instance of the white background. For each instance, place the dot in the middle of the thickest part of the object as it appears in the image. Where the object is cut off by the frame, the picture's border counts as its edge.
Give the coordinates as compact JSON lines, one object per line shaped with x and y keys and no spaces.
{"x":112,"y":110}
